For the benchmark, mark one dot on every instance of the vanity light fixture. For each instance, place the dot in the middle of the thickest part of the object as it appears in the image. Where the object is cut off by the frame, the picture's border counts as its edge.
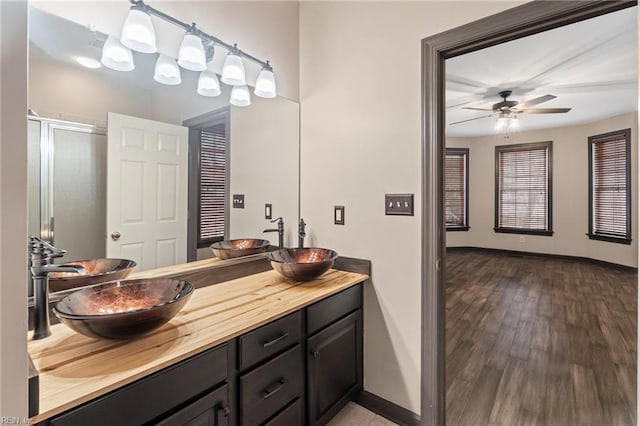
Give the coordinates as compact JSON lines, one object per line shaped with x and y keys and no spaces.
{"x":116,"y":56}
{"x":266,"y":83}
{"x":137,"y":32}
{"x":167,"y":71}
{"x":240,"y":96}
{"x":194,"y":53}
{"x":191,"y":55}
{"x":208,"y":84}
{"x":233,"y":69}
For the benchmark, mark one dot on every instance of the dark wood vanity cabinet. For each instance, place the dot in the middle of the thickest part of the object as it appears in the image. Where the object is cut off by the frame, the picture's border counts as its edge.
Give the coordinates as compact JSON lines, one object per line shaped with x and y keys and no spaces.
{"x":334,"y":354}
{"x":300,"y":369}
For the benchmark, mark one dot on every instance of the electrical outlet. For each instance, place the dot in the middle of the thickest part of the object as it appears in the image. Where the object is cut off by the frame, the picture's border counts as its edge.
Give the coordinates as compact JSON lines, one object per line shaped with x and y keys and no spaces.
{"x":267,"y":211}
{"x":238,"y":201}
{"x":338,"y":215}
{"x":398,"y":204}
{"x":522,"y":238}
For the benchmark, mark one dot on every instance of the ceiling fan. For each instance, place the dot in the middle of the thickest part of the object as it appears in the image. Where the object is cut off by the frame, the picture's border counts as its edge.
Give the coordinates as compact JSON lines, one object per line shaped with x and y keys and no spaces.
{"x":506,"y":107}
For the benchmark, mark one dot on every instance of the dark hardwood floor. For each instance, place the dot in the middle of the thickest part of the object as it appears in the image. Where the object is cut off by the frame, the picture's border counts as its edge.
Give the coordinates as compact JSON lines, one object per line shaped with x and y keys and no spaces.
{"x":539,"y":341}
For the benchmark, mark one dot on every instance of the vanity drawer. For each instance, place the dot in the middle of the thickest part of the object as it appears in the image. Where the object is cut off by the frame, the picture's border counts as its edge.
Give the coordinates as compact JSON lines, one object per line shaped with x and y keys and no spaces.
{"x":152,"y":396}
{"x":292,"y":415}
{"x":211,"y":409}
{"x":270,"y":339}
{"x":267,"y":389}
{"x":325,"y":312}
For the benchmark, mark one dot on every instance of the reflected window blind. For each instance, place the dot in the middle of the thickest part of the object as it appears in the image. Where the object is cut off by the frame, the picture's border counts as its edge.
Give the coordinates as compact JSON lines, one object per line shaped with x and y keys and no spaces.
{"x":212,"y":182}
{"x":610,"y":179}
{"x":455,"y":188}
{"x":523,"y":187}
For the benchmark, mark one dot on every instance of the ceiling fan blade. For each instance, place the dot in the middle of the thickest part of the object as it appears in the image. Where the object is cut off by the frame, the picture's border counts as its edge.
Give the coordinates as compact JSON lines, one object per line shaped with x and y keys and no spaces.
{"x":536,"y":101}
{"x":544,"y":110}
{"x":478,"y":109}
{"x":471,"y":119}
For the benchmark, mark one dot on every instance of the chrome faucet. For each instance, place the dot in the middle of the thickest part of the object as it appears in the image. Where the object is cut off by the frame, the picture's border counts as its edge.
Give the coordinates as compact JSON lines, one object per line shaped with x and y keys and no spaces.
{"x":41,"y":254}
{"x":301,"y":233}
{"x":279,"y":230}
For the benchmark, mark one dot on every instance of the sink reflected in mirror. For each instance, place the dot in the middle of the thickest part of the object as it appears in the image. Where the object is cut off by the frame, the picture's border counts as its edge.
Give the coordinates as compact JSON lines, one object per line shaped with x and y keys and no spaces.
{"x":96,"y":271}
{"x":229,"y":249}
{"x":123,"y":309}
{"x":302,"y":264}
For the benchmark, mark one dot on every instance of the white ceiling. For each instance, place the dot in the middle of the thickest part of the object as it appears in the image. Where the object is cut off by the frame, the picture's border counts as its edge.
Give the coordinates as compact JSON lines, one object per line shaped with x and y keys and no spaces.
{"x":591,"y":67}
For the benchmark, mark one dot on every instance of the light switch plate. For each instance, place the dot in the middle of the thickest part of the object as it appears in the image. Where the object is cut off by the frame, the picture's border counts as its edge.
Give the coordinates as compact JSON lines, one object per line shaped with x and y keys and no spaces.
{"x":267,"y":211}
{"x":238,"y":201}
{"x":338,"y":215}
{"x":398,"y":204}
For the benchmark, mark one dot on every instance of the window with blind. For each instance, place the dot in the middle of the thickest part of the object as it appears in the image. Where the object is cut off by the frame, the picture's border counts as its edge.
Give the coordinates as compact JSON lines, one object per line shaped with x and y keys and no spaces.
{"x":456,"y":189}
{"x":523,"y":189}
{"x":213,"y":158}
{"x":610,"y":187}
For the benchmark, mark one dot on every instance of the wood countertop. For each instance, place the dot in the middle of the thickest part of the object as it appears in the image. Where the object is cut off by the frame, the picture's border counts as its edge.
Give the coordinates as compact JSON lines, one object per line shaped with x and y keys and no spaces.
{"x":74,"y":369}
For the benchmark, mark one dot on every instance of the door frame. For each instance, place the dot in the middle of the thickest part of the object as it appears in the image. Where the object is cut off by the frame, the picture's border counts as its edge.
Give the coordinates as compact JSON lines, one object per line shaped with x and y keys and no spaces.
{"x":195,"y":125}
{"x":521,"y":21}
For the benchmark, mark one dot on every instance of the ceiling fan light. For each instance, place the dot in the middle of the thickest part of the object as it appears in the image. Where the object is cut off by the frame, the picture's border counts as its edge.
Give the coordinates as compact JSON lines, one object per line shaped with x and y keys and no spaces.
{"x":191,"y":55}
{"x":138,"y":32}
{"x":501,"y":123}
{"x":265,"y":84}
{"x":233,"y":70}
{"x":208,"y":84}
{"x":240,"y":96}
{"x":167,"y":71}
{"x":116,"y":56}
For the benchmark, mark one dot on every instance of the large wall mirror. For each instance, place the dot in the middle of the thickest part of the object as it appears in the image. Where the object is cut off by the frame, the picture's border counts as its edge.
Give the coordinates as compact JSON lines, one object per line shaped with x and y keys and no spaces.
{"x":78,"y":113}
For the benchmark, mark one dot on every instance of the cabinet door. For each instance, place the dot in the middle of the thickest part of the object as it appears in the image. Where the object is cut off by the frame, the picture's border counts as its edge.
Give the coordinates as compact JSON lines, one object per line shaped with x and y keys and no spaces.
{"x":210,"y":410}
{"x":334,"y":362}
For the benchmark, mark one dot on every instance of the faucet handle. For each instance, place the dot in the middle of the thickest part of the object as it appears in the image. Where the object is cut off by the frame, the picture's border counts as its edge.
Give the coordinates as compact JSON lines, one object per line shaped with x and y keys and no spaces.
{"x":40,"y":244}
{"x":277,"y":219}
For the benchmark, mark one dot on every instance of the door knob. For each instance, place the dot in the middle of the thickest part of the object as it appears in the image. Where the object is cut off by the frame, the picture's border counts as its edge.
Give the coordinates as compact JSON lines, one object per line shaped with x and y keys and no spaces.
{"x":115,"y":236}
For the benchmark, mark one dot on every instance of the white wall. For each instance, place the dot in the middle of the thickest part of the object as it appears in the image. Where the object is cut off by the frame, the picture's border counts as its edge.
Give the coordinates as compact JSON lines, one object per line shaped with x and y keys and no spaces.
{"x":570,"y":193}
{"x":360,"y":98}
{"x":13,"y":208}
{"x":264,"y":167}
{"x":265,"y":29}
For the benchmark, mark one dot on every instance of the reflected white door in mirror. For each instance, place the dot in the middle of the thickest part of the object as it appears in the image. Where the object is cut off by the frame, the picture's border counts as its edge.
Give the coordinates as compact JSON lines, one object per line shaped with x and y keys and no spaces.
{"x":147,"y":191}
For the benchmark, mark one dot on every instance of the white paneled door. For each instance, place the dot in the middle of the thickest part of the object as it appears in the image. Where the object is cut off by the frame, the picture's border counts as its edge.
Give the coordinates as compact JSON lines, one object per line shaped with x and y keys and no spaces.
{"x":146,"y":191}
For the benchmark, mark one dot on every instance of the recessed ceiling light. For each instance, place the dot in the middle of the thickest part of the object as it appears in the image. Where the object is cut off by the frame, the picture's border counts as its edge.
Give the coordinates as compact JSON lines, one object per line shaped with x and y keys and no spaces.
{"x":88,"y":62}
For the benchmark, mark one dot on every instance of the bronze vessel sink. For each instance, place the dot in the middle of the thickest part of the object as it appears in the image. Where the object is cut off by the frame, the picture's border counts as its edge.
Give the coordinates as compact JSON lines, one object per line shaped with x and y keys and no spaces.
{"x":123,"y":309}
{"x":302,"y":264}
{"x":95,"y":271}
{"x":241,"y":247}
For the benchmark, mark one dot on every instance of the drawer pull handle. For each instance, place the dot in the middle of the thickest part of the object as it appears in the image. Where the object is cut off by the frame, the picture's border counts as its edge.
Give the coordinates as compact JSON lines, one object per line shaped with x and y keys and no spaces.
{"x":275,"y":389}
{"x":274,"y":341}
{"x":315,"y":354}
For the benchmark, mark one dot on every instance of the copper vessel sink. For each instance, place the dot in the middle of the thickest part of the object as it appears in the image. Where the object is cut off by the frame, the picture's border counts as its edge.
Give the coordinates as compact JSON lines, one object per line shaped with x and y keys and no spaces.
{"x":96,"y":271}
{"x":123,"y":309}
{"x":302,"y":264}
{"x":241,"y":247}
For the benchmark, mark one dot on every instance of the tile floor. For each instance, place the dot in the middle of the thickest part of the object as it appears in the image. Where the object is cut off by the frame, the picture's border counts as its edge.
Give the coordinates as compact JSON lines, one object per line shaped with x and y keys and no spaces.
{"x":355,"y":415}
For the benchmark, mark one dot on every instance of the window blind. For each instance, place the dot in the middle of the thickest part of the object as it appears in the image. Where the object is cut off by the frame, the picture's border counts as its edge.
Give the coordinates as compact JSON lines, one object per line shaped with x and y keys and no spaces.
{"x":523,"y":187}
{"x":212,"y":182}
{"x":455,"y":187}
{"x":610,"y":181}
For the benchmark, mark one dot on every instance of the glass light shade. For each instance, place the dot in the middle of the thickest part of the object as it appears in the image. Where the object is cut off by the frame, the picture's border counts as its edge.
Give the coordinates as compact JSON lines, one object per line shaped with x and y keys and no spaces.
{"x":191,"y":55}
{"x":515,"y":123}
{"x":240,"y":96}
{"x":266,"y":84}
{"x":138,"y":33}
{"x":167,"y":71}
{"x":501,"y":123}
{"x":116,"y":56}
{"x":233,"y":70}
{"x":208,"y":84}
